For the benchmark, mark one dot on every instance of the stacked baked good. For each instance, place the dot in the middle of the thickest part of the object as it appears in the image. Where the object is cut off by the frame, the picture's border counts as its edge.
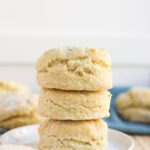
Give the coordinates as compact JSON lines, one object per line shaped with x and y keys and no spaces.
{"x":73,"y":97}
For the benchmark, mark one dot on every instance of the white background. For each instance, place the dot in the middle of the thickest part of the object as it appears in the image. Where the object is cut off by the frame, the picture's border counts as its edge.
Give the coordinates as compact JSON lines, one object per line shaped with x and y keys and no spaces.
{"x":29,"y":27}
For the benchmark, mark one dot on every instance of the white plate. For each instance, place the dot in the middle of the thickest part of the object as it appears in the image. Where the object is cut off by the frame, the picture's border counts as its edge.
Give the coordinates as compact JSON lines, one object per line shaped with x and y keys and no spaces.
{"x":28,"y":135}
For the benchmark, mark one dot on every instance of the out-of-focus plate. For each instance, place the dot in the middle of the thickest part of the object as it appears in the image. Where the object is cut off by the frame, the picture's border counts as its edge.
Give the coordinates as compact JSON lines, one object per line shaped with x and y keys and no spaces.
{"x":28,"y":135}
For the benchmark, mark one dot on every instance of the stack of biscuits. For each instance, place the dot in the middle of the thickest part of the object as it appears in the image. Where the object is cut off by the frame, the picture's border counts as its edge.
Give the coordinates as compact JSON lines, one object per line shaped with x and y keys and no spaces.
{"x":73,"y":98}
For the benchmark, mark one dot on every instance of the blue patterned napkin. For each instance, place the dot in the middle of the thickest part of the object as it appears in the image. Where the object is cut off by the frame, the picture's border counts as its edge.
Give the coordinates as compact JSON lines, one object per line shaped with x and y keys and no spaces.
{"x":115,"y":122}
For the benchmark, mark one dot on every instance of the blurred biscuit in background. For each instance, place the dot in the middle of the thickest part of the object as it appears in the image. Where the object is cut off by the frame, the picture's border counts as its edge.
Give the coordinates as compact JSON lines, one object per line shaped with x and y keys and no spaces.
{"x":18,"y":105}
{"x":134,"y":105}
{"x":12,"y":86}
{"x":20,"y":121}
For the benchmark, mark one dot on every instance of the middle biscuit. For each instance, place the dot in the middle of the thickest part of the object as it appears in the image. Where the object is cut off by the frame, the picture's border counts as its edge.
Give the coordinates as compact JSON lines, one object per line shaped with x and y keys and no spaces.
{"x":72,"y":105}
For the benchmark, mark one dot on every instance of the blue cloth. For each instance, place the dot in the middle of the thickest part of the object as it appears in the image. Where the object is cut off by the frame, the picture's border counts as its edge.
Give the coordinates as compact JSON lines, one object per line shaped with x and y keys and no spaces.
{"x":115,"y":122}
{"x":2,"y":130}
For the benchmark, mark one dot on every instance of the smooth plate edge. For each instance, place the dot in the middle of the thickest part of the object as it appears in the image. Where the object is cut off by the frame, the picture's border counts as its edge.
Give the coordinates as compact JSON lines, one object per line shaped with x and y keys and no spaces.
{"x":113,"y":132}
{"x":9,"y":137}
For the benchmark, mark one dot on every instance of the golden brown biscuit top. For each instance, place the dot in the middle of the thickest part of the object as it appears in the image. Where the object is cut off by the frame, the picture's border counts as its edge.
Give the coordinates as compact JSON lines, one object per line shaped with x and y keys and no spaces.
{"x":72,"y":57}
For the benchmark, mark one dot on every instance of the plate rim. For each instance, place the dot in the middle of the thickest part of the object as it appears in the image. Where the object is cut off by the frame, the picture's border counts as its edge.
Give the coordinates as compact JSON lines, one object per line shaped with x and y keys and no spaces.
{"x":125,"y":135}
{"x":110,"y":130}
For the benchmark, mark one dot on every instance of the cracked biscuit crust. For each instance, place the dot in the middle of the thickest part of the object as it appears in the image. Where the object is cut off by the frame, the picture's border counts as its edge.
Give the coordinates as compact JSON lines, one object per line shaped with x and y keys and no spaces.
{"x":74,"y":105}
{"x":70,"y":135}
{"x":75,"y":69}
{"x":134,"y":105}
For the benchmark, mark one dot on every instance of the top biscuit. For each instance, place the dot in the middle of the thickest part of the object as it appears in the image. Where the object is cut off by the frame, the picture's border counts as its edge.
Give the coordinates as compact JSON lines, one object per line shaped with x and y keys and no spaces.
{"x":81,"y":69}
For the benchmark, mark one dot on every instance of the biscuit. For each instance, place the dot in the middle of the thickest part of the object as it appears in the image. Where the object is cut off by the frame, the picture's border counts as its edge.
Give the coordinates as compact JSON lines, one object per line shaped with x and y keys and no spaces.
{"x":16,"y":104}
{"x":15,"y":147}
{"x":16,"y":121}
{"x":86,"y":69}
{"x":73,"y":135}
{"x":11,"y":86}
{"x":74,"y":105}
{"x":134,"y":105}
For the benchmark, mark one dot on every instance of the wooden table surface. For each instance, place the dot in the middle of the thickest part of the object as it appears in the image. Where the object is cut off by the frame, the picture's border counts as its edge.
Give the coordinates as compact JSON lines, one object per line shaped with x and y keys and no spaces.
{"x":142,"y":142}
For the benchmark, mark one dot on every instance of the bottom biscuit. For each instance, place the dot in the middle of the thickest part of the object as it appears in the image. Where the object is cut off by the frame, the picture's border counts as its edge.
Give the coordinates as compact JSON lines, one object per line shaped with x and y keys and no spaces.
{"x":73,"y":135}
